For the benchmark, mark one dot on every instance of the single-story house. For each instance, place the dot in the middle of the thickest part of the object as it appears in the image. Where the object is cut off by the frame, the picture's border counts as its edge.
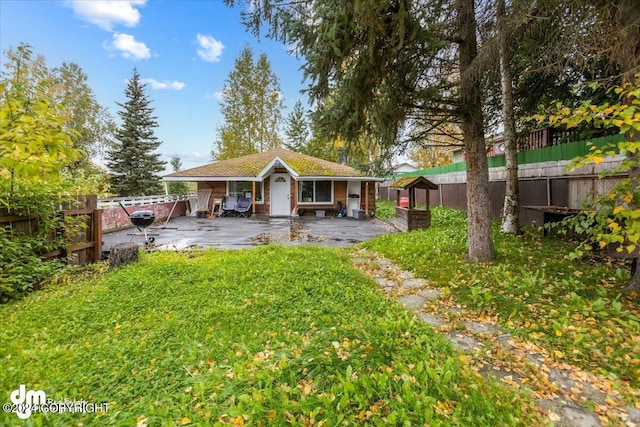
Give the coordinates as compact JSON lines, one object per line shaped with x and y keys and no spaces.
{"x":284,"y":183}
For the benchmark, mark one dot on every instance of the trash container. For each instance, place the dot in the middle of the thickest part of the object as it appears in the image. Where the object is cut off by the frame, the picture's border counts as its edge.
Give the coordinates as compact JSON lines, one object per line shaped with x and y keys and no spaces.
{"x":358,"y":214}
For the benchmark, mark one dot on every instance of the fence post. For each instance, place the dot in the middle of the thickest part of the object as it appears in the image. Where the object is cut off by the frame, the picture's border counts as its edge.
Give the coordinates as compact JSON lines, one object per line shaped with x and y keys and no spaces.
{"x":68,"y":250}
{"x":97,"y":234}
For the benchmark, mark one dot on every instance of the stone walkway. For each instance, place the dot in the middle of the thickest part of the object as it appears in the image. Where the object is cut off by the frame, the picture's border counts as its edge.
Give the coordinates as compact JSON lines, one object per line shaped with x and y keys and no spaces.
{"x":565,"y":394}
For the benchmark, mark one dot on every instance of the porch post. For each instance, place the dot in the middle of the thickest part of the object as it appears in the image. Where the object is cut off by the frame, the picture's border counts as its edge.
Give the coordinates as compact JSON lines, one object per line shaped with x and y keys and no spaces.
{"x":412,"y":197}
{"x":295,"y":195}
{"x":366,"y":197}
{"x":253,"y":197}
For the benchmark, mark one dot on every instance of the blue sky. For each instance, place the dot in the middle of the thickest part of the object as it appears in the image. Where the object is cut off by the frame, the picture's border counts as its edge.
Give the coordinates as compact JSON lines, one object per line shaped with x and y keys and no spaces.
{"x":184,"y":50}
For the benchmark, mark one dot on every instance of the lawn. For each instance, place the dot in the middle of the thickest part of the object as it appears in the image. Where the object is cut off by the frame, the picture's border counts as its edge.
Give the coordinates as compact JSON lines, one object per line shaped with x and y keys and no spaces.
{"x":572,"y":308}
{"x":273,"y":335}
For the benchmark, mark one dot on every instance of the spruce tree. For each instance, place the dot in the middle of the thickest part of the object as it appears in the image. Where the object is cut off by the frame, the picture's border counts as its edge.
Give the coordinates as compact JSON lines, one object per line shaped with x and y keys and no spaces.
{"x":133,"y":162}
{"x":297,"y":130}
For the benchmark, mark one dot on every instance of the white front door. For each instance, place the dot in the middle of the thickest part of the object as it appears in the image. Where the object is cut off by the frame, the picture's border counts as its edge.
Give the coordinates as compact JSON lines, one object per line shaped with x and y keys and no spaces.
{"x":280,"y":194}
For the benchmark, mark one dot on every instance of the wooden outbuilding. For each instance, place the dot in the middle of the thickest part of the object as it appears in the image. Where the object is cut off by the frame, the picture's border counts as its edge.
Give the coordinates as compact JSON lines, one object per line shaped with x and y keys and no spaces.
{"x":411,"y":217}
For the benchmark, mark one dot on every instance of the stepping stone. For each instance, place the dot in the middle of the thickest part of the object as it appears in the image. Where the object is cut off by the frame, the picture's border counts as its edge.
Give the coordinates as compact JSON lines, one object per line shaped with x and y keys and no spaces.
{"x":404,"y":275}
{"x":385,"y":283}
{"x":432,"y":319}
{"x":535,"y":358}
{"x":412,"y":302}
{"x":634,"y":414}
{"x":570,"y":415}
{"x":504,"y":376}
{"x":560,"y":377}
{"x":506,"y":341}
{"x":573,"y":415}
{"x":483,"y":328}
{"x":463,"y":342}
{"x":414,"y":283}
{"x":430,"y":293}
{"x":384,"y":263}
{"x":598,"y":396}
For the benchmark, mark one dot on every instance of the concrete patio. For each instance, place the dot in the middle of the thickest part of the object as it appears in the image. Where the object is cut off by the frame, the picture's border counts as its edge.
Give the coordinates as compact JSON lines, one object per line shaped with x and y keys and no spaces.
{"x":237,"y":233}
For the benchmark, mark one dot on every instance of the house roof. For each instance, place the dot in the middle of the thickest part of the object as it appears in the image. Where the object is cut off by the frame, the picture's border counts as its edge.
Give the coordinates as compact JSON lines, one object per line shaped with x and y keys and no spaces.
{"x":413,"y":182}
{"x":259,"y":164}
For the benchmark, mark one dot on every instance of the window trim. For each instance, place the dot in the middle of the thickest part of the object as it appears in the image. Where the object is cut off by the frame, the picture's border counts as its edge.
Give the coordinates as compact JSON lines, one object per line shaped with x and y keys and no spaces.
{"x":331,"y":202}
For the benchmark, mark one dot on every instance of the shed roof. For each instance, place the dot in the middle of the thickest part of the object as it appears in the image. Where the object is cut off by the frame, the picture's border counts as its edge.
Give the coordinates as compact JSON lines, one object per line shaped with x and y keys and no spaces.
{"x":253,"y":165}
{"x":413,"y":182}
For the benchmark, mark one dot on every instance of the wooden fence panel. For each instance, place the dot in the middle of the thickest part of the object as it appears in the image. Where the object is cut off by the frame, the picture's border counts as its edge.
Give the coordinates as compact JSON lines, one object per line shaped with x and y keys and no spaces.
{"x":79,"y":249}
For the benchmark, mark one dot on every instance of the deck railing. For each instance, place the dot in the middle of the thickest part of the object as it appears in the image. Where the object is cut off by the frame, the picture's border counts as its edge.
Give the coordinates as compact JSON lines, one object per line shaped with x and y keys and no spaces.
{"x":142,"y":200}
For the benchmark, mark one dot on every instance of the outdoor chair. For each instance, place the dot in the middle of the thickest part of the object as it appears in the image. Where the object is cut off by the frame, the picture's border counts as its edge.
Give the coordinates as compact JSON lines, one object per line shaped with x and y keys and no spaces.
{"x":243,"y":206}
{"x":229,"y":206}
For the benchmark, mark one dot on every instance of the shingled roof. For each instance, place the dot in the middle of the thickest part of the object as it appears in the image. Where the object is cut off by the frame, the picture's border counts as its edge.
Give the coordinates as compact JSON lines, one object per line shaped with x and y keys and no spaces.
{"x":252,"y":165}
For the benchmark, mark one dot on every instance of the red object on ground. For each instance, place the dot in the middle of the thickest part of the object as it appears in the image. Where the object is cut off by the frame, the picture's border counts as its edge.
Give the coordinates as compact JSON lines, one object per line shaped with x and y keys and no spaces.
{"x":404,"y":202}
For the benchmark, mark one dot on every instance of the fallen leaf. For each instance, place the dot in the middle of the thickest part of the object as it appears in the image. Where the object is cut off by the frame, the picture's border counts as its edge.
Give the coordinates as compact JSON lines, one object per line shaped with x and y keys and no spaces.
{"x":554,"y":417}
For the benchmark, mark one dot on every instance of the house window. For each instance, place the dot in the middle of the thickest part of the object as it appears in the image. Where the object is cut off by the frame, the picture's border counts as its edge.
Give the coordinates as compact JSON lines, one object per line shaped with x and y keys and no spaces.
{"x":244,"y":188}
{"x":315,"y":192}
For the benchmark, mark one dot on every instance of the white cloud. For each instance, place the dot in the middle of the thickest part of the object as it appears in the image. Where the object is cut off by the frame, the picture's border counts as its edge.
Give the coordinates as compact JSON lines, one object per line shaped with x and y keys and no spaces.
{"x":189,"y":156}
{"x":128,"y":47}
{"x":164,"y":84}
{"x":210,"y":48}
{"x":107,"y":13}
{"x":214,"y":95}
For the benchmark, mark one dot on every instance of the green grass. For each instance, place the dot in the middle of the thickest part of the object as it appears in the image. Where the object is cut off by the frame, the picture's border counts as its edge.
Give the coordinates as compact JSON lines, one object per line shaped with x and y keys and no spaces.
{"x":385,"y":209}
{"x":273,"y":335}
{"x":574,"y":309}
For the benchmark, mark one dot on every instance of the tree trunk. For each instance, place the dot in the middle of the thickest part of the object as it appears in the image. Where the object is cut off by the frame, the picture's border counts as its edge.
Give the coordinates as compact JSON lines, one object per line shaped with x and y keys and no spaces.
{"x":479,"y":241}
{"x":627,"y":19}
{"x":511,"y":208}
{"x":123,"y":253}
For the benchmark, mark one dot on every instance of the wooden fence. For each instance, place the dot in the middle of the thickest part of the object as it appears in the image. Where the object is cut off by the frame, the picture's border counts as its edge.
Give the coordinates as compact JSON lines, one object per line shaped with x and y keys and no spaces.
{"x":78,"y":248}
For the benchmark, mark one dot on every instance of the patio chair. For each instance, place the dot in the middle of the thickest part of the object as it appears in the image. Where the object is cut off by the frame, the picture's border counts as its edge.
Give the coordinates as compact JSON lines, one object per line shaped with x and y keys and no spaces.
{"x":243,"y":206}
{"x":229,"y":206}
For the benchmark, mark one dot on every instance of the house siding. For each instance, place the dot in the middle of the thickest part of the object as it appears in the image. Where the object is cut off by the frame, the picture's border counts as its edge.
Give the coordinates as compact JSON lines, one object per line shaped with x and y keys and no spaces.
{"x":219,"y":190}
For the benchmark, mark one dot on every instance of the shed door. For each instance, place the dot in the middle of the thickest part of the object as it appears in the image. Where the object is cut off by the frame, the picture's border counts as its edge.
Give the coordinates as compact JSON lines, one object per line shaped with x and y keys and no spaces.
{"x":280,"y":194}
{"x":353,"y":197}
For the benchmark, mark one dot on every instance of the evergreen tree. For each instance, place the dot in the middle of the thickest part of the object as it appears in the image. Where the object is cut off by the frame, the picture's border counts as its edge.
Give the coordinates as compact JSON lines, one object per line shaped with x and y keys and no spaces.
{"x":387,"y":63}
{"x":251,"y":106}
{"x":297,"y":130}
{"x":132,"y":159}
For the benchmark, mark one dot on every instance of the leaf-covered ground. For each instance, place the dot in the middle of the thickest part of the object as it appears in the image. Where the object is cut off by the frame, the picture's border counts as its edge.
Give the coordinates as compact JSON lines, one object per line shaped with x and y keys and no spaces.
{"x":274,"y":335}
{"x":573,"y":309}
